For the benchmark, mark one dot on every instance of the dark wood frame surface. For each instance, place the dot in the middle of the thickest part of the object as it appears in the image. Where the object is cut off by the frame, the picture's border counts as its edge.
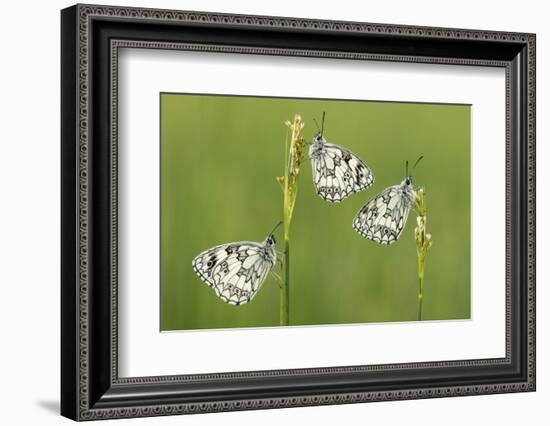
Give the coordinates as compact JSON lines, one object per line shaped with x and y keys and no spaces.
{"x":90,"y":39}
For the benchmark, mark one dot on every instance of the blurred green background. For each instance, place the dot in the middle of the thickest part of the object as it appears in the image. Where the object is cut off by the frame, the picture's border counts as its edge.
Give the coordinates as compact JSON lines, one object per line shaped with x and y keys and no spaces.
{"x":219,"y":159}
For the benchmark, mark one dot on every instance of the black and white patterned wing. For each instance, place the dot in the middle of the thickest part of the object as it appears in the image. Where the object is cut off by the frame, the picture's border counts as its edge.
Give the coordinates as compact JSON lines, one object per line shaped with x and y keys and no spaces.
{"x":383,"y":218}
{"x":235,"y":271}
{"x":338,"y":173}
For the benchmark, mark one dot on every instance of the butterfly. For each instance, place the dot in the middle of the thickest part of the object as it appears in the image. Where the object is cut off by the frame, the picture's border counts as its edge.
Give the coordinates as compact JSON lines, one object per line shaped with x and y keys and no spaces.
{"x":337,"y":172}
{"x":383,"y":218}
{"x":236,"y":271}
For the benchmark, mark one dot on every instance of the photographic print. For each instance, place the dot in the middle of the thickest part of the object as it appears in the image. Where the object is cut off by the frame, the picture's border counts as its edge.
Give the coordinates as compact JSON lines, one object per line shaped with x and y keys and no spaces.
{"x":303,"y":212}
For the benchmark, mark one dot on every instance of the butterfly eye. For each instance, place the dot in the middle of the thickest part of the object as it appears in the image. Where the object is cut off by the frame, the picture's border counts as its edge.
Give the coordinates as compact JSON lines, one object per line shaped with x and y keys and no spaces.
{"x":408,"y":181}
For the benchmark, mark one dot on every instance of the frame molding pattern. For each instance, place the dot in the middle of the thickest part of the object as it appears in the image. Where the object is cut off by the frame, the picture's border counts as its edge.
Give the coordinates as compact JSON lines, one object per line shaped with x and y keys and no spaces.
{"x":85,"y":13}
{"x":304,"y":401}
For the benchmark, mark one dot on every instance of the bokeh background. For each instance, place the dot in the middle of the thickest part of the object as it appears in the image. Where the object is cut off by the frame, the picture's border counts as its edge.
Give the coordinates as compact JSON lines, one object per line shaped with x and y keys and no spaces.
{"x":220,"y":156}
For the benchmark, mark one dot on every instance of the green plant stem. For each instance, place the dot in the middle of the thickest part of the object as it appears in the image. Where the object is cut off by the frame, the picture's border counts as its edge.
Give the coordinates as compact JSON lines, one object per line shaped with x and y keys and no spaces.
{"x":420,"y":286}
{"x":423,"y":243}
{"x":294,"y":154}
{"x":284,"y":305}
{"x":284,"y":309}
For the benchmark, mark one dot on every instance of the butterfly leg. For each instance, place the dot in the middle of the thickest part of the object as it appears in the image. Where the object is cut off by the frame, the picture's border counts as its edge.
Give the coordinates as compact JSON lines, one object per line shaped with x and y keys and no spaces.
{"x":276,"y":276}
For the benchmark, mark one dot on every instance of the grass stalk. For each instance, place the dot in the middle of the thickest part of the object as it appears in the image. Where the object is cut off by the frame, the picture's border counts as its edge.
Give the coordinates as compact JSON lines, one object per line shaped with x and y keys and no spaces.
{"x":420,"y":287}
{"x":294,"y":154}
{"x":423,"y":243}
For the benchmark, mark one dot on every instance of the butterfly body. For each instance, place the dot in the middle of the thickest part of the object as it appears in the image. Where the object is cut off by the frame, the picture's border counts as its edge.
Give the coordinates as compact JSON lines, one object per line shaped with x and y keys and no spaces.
{"x":236,"y":271}
{"x":337,"y":172}
{"x":384,"y":217}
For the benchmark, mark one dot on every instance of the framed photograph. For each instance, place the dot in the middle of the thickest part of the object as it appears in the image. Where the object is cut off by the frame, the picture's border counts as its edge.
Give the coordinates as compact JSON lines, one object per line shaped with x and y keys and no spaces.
{"x":263,"y":212}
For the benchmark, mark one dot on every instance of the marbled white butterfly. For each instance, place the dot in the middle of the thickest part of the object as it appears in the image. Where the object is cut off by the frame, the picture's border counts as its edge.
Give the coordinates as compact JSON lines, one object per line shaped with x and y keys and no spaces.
{"x":383,"y":218}
{"x":337,"y":172}
{"x":236,"y":271}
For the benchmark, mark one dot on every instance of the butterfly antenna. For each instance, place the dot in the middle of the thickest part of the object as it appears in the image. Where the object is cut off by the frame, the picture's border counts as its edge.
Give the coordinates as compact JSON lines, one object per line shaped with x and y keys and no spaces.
{"x":323,"y":123}
{"x":417,"y":161}
{"x":276,"y":226}
{"x":317,"y":125}
{"x":406,"y":168}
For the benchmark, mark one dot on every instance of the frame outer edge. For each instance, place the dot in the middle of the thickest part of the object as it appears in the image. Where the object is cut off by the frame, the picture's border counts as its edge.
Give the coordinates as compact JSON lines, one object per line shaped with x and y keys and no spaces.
{"x":531,"y":200}
{"x":84,"y":194}
{"x":68,"y":181}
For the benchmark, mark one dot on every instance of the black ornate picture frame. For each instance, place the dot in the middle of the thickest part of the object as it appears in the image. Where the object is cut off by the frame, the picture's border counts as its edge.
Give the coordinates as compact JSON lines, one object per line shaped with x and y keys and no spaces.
{"x":90,"y":385}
